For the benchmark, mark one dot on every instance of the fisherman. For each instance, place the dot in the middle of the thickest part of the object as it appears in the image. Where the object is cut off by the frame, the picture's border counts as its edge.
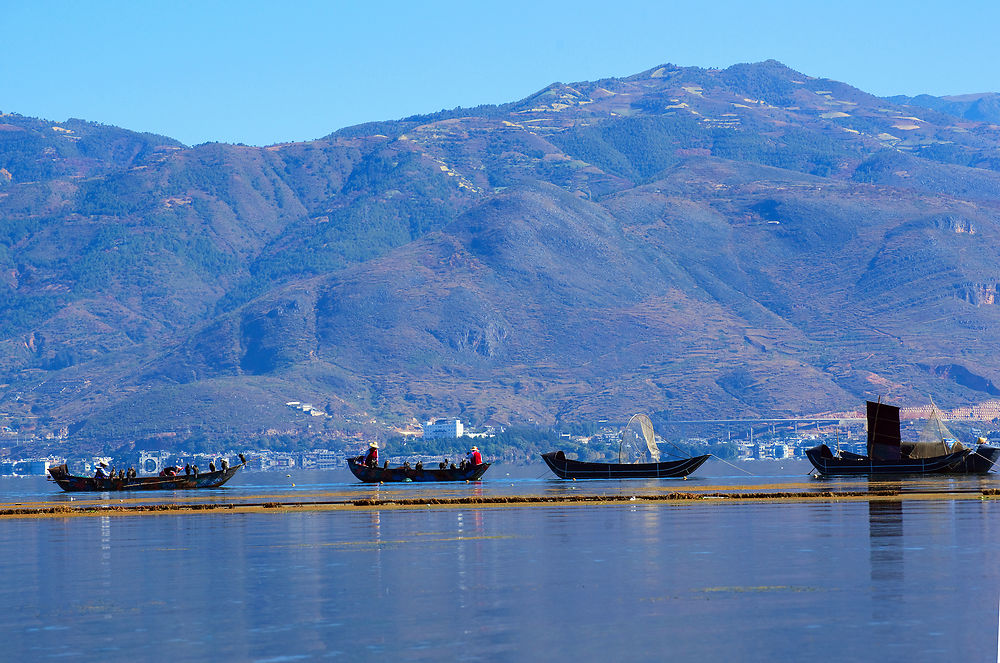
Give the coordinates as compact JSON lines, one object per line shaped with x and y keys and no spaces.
{"x":102,"y":471}
{"x":371,"y":458}
{"x":474,"y":457}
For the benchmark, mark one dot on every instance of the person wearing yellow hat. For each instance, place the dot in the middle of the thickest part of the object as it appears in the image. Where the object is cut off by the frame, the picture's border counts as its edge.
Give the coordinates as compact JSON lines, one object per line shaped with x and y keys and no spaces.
{"x":371,"y":458}
{"x":474,"y":457}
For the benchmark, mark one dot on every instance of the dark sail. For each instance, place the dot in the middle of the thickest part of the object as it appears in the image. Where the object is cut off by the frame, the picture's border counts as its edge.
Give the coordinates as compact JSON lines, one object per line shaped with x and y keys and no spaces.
{"x":883,"y":432}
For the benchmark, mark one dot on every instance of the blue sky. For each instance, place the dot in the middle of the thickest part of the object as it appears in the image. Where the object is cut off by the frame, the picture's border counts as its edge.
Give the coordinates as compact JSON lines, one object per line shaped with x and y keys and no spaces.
{"x":267,"y":72}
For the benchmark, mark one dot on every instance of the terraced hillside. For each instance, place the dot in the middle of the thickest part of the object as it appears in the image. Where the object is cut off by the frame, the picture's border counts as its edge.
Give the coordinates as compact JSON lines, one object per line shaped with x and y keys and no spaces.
{"x":740,"y":242}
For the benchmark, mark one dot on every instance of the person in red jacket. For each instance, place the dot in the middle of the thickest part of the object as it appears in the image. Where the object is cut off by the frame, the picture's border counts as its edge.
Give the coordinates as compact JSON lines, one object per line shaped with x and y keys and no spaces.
{"x":474,"y":457}
{"x":371,"y":458}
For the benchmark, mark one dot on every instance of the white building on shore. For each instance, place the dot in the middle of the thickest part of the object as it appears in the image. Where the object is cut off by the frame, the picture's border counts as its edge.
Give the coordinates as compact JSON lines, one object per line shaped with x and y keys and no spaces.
{"x":443,"y":428}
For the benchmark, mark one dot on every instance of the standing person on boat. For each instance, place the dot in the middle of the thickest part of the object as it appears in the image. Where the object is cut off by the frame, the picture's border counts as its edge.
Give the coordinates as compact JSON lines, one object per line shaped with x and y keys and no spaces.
{"x":371,"y":458}
{"x":102,"y":471}
{"x":474,"y":457}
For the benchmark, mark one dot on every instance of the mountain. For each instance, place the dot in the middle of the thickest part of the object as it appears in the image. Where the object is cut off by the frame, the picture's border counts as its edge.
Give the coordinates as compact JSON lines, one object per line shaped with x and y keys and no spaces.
{"x":975,"y":107}
{"x":690,"y":242}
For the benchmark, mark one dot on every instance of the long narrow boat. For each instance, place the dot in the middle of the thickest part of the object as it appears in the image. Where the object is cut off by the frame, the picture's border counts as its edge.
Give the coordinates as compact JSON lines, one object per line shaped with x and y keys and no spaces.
{"x":71,"y":483}
{"x":887,"y":454}
{"x":399,"y":474}
{"x":577,"y":469}
{"x":856,"y":464}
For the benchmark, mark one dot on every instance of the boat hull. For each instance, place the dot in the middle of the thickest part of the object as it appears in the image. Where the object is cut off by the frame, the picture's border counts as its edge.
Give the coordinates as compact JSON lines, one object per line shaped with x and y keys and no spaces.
{"x":402,"y":474}
{"x":827,"y":464}
{"x":565,"y":468}
{"x":72,"y":483}
{"x":980,"y":461}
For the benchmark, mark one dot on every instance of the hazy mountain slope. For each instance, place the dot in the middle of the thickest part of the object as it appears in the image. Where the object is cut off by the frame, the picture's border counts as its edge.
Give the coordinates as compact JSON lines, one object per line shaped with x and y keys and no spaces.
{"x":975,"y":107}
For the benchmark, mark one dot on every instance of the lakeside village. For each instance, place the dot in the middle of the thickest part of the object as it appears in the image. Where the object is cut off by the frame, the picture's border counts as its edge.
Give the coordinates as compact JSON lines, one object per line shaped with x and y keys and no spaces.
{"x":744,"y":440}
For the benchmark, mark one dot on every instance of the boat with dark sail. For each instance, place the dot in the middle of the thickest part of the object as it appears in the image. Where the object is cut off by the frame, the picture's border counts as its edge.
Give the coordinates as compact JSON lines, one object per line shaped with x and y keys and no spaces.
{"x":73,"y":483}
{"x":377,"y":474}
{"x":637,"y":443}
{"x":888,"y":454}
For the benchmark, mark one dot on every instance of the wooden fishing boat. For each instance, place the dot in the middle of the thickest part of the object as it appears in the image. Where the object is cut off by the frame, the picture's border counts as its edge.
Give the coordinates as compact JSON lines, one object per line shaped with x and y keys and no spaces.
{"x":980,"y":461}
{"x":888,"y":454}
{"x":636,"y":445}
{"x":849,"y":463}
{"x":71,"y":483}
{"x":565,"y":468}
{"x":404,"y":473}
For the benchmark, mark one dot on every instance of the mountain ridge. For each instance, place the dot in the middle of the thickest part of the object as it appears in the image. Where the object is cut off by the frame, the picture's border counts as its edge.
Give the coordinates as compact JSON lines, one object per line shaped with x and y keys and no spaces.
{"x":749,"y":240}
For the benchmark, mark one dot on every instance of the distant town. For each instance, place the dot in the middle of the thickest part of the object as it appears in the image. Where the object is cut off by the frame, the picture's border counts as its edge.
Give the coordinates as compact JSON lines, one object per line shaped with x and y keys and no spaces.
{"x":735,"y":439}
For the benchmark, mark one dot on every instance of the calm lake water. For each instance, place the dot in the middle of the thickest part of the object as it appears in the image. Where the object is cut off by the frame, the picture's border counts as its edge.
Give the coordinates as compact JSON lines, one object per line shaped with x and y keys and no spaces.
{"x":910,"y":581}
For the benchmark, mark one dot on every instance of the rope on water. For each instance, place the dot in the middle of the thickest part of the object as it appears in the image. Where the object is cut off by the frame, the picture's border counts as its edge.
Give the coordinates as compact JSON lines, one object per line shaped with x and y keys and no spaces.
{"x":731,"y":465}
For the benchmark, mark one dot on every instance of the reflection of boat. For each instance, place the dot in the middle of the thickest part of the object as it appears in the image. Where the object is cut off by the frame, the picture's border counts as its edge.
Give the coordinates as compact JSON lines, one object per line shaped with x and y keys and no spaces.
{"x":577,"y":469}
{"x":404,"y":473}
{"x":888,"y":454}
{"x":637,"y":443}
{"x":60,"y":474}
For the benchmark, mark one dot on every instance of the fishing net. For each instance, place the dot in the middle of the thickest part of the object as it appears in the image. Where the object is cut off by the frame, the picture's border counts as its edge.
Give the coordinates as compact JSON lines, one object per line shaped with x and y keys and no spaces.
{"x":638,"y":442}
{"x":933,"y":440}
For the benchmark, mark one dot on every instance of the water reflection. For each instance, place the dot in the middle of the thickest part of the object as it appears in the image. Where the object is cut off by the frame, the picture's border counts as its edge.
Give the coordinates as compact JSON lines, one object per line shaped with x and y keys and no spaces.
{"x":716,"y":581}
{"x":885,"y":535}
